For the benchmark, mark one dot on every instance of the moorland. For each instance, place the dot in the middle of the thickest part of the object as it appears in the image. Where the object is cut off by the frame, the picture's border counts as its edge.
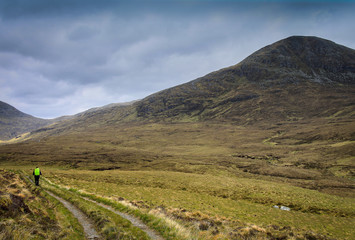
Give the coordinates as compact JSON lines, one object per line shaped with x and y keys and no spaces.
{"x":217,"y":158}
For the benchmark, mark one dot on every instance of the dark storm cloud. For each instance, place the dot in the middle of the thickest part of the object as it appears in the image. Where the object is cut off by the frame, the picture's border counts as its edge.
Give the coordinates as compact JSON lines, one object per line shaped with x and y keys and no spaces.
{"x":61,"y":57}
{"x":25,"y":8}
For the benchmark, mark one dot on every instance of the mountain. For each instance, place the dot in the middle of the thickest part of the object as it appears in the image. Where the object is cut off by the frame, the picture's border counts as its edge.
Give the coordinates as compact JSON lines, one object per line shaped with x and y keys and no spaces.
{"x":298,"y":77}
{"x":14,"y":122}
{"x":286,"y":110}
{"x":292,"y":79}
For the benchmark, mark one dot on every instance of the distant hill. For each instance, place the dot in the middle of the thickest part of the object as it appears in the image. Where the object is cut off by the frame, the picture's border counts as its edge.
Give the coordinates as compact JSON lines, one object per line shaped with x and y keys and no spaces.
{"x":14,"y":122}
{"x":293,"y":79}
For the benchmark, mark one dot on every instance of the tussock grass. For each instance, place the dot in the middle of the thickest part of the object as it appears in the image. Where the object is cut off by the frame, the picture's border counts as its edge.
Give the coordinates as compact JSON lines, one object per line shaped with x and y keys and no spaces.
{"x":178,"y":230}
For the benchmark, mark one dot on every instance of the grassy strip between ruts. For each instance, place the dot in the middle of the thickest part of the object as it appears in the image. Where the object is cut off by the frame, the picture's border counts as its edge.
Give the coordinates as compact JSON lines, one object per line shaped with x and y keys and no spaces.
{"x":168,"y":229}
{"x":108,"y":224}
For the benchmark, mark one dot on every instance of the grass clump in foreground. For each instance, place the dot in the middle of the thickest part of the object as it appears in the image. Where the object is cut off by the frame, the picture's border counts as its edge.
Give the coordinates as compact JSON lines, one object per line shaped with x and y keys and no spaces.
{"x":28,"y":213}
{"x":218,"y":207}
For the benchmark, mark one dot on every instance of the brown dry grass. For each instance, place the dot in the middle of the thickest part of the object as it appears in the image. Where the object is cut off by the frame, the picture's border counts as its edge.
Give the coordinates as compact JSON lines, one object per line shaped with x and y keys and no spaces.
{"x":303,"y":153}
{"x":315,"y":154}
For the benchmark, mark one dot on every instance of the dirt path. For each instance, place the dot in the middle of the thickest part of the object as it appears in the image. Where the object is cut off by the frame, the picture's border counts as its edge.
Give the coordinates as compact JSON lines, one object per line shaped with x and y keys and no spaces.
{"x":89,"y":229}
{"x":135,"y":221}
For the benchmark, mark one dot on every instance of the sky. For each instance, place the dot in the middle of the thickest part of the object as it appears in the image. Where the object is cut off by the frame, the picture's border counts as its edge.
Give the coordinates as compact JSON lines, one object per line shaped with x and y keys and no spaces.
{"x":62,"y":57}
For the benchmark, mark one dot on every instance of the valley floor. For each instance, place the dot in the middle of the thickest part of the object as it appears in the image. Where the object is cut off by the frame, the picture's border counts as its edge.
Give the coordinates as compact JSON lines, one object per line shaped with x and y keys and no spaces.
{"x":207,"y":180}
{"x":203,"y":206}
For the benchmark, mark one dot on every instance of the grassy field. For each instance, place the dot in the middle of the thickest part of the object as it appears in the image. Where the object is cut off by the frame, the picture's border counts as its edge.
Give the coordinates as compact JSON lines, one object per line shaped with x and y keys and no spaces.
{"x":210,"y":180}
{"x":315,"y":154}
{"x":205,"y":206}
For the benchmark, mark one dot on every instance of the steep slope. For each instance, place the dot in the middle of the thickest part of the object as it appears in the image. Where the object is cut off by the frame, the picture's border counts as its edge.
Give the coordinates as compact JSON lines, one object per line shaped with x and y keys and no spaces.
{"x":14,"y":122}
{"x":298,"y":77}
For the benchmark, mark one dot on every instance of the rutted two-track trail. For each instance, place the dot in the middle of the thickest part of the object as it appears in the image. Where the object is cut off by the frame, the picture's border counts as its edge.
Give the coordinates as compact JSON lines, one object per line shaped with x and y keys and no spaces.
{"x":135,"y":222}
{"x":89,"y":228}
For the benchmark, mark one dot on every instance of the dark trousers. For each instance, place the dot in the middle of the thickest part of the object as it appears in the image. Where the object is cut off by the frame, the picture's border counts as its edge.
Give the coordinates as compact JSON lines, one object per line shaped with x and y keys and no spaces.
{"x":37,"y":180}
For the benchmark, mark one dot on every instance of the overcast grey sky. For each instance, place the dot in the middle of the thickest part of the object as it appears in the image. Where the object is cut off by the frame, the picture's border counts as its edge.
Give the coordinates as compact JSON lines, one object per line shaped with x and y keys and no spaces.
{"x":61,"y":57}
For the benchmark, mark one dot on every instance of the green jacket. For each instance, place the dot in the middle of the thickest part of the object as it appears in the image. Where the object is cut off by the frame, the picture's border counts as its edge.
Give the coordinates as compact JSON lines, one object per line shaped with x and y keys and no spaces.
{"x":37,"y":172}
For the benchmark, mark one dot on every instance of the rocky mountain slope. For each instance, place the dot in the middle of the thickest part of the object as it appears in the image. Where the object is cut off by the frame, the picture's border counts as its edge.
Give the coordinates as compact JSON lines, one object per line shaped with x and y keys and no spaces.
{"x":298,"y":77}
{"x":14,"y":122}
{"x":293,"y":79}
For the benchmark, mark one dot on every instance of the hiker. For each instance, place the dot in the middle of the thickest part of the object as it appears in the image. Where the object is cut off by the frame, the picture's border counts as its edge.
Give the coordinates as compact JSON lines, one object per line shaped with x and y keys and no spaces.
{"x":37,"y":173}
